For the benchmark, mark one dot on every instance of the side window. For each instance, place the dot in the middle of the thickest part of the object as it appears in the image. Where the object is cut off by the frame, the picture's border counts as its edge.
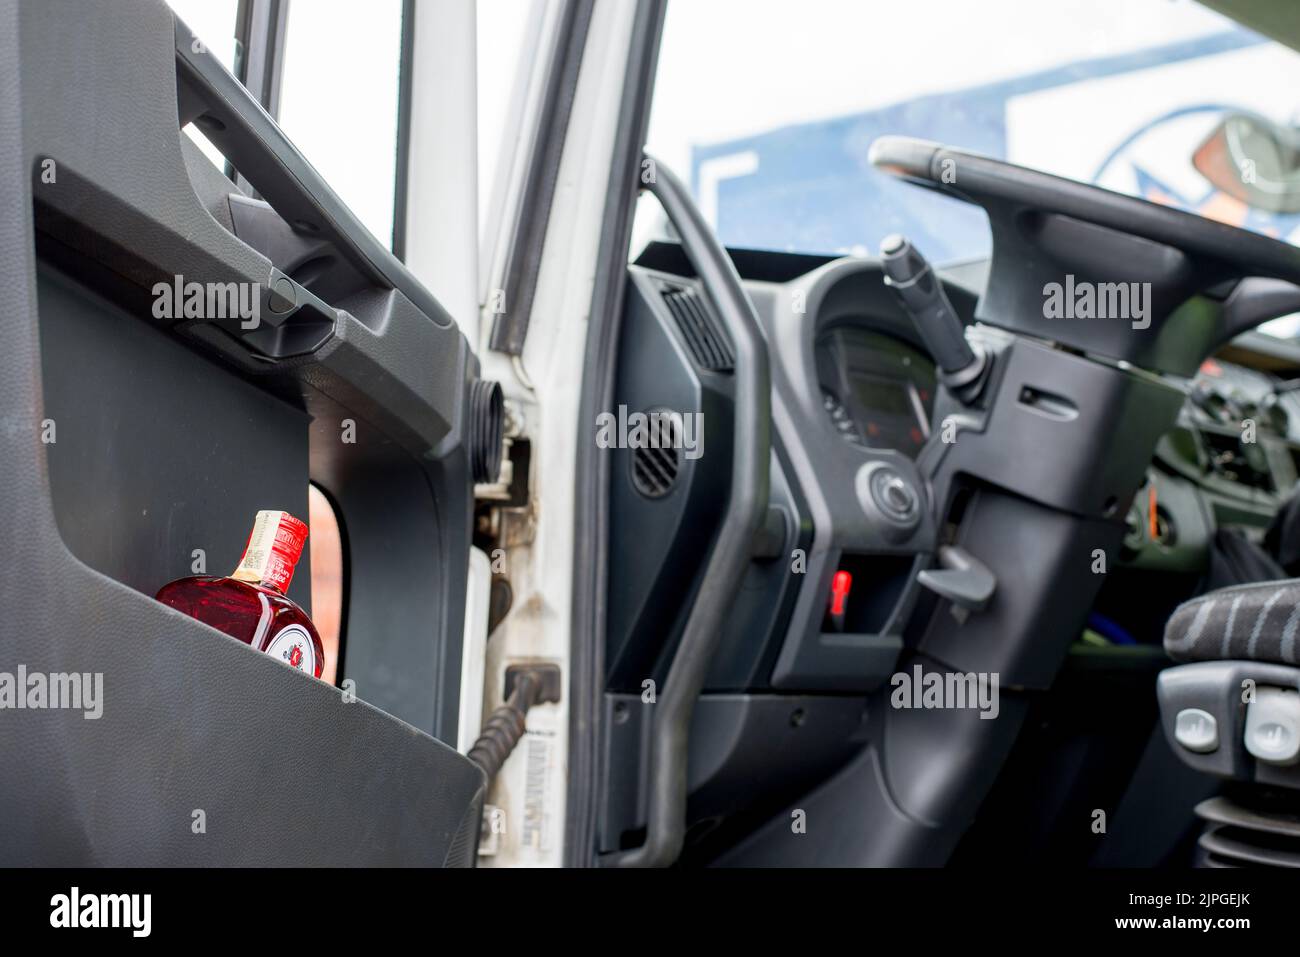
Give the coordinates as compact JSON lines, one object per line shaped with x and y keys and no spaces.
{"x":213,"y":22}
{"x":508,"y":36}
{"x":340,"y":80}
{"x":339,"y":100}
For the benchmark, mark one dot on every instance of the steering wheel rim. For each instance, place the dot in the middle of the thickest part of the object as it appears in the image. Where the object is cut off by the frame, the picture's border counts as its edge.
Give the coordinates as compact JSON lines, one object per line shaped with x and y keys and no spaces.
{"x":984,"y":181}
{"x":1047,"y":229}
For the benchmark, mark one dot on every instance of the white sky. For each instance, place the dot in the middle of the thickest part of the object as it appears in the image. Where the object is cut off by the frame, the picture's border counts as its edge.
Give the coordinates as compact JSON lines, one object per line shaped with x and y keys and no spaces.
{"x":338,"y":91}
{"x":338,"y":99}
{"x":728,"y":68}
{"x":732,"y":68}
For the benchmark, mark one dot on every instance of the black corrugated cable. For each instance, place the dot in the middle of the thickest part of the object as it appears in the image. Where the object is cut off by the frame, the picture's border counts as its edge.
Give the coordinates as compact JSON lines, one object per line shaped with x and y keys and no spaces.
{"x":505,"y":726}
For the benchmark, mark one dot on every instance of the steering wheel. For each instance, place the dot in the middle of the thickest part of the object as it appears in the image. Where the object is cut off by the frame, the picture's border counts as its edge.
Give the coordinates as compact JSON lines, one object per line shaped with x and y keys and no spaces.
{"x":1051,"y":233}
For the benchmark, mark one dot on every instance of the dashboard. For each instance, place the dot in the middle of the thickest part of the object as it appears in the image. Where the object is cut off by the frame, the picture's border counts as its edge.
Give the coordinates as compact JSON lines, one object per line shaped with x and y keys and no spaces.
{"x":993,"y":544}
{"x":1239,"y":428}
{"x":1237,"y":441}
{"x":855,"y":402}
{"x":1231,"y":460}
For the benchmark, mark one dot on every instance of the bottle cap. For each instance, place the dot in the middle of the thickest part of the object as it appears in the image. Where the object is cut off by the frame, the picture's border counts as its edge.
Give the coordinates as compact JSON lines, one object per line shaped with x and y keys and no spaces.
{"x":272,"y":551}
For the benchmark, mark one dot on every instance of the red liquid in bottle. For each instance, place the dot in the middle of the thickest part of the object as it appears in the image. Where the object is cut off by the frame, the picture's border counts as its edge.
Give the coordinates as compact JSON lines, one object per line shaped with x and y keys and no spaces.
{"x":251,"y":605}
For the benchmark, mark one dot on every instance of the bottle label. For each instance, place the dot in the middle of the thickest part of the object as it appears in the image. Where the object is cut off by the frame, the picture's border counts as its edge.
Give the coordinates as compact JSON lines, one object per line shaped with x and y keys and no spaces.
{"x":272,"y":550}
{"x":294,"y":646}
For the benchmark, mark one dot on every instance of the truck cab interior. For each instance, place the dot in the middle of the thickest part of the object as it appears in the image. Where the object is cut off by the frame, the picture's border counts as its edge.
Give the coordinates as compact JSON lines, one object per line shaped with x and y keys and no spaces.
{"x":701,"y":471}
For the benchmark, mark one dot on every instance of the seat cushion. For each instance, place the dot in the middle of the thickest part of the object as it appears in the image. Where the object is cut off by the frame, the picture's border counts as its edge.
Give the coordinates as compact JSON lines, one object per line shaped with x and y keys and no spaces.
{"x":1256,"y":622}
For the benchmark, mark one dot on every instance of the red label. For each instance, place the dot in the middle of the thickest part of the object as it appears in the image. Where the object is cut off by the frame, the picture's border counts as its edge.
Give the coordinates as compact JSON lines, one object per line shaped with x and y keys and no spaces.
{"x":273,"y":550}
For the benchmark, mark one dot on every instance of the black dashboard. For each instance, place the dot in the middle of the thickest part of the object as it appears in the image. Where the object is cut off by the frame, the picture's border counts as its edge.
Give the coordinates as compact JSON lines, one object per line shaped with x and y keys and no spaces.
{"x":855,"y":408}
{"x":1042,"y":478}
{"x":1230,"y":462}
{"x":1236,"y":443}
{"x":856,"y":391}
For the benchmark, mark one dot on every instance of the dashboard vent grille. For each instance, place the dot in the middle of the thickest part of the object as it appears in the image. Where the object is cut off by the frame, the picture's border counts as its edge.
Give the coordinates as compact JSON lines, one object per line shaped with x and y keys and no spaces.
{"x":655,"y":467}
{"x":1236,"y":836}
{"x":706,"y":341}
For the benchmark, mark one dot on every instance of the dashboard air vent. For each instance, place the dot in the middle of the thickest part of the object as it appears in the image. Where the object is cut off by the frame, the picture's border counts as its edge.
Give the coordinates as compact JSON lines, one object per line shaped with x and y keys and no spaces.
{"x":695,"y":321}
{"x":655,"y":466}
{"x":1236,"y":836}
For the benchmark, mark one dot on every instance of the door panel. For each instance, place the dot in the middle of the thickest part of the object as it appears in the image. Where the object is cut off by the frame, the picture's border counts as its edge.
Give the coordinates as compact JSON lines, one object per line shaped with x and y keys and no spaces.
{"x":169,"y":432}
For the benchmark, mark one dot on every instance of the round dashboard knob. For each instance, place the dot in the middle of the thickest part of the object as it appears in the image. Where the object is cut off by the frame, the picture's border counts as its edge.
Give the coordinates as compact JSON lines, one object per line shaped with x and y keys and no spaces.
{"x":889,"y":499}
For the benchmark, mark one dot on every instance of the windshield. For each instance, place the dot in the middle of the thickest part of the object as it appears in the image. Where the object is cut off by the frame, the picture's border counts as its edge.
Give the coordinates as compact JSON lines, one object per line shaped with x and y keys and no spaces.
{"x":769,"y":108}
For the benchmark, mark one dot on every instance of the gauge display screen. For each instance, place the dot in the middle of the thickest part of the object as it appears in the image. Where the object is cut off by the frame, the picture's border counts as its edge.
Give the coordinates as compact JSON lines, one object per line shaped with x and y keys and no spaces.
{"x":879,"y":390}
{"x":888,"y":412}
{"x":886,"y":396}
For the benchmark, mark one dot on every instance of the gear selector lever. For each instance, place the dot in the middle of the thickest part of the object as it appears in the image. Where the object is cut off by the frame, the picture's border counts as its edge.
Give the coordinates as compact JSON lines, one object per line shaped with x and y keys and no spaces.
{"x":961,"y":366}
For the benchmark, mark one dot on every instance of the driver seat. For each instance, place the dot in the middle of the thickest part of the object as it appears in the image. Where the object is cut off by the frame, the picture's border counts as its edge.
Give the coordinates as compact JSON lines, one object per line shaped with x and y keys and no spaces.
{"x":1259,"y":621}
{"x":1233,"y":711}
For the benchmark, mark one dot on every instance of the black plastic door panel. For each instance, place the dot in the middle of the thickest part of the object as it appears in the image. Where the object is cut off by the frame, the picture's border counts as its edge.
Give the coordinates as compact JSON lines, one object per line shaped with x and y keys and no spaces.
{"x":169,"y":433}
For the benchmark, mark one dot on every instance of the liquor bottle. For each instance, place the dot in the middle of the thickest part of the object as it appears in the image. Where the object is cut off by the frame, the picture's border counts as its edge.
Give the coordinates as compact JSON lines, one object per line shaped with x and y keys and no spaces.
{"x":251,"y":605}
